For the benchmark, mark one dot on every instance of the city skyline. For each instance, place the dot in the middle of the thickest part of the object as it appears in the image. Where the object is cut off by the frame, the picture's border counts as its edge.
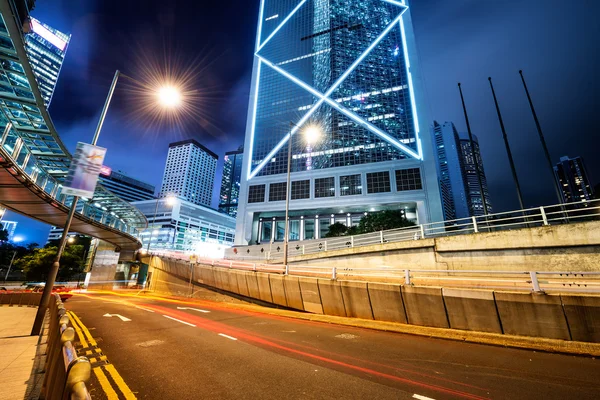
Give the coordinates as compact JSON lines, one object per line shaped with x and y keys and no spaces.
{"x":450,"y":43}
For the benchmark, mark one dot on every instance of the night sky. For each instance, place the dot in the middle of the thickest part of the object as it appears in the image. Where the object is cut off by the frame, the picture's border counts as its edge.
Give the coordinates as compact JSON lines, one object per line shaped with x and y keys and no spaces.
{"x":554,"y":42}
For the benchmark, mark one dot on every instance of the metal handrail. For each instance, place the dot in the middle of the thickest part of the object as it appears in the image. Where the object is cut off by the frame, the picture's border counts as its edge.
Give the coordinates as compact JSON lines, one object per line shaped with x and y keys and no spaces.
{"x":526,"y":218}
{"x":535,"y":281}
{"x":65,"y":373}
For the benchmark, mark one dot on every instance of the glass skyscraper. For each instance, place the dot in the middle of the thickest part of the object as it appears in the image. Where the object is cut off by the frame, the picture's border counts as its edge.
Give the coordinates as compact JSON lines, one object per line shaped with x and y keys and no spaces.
{"x":573,"y":180}
{"x":46,"y":48}
{"x":230,"y":182}
{"x":469,"y":157}
{"x":349,"y":69}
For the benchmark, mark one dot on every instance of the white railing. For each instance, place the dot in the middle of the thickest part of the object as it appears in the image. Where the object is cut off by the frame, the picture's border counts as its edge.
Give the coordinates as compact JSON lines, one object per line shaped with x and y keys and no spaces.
{"x":535,"y":281}
{"x":528,"y":218}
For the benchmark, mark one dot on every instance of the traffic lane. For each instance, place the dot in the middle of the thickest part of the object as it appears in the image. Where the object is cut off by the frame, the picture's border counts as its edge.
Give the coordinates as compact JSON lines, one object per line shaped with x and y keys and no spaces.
{"x":503,"y":372}
{"x":392,"y":376}
{"x":163,"y":358}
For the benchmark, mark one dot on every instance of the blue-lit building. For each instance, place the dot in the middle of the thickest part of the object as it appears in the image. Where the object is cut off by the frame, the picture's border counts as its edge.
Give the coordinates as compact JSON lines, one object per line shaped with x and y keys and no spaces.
{"x":348,"y":69}
{"x":230,"y":182}
{"x":451,"y":171}
{"x":46,"y":48}
{"x":459,"y":186}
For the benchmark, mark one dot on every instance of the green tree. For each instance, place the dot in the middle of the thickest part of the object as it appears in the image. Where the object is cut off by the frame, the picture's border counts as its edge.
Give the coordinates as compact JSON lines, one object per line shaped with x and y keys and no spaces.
{"x":337,"y":229}
{"x":36,"y":264}
{"x":383,"y":220}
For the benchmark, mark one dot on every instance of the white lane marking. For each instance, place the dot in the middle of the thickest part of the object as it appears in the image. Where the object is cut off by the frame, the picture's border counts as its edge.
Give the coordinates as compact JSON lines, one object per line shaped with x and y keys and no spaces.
{"x":346,"y":336}
{"x":195,"y":309}
{"x":124,"y":319}
{"x":145,"y":309}
{"x":150,"y":343}
{"x":418,"y":396}
{"x":227,"y":336}
{"x":178,"y":320}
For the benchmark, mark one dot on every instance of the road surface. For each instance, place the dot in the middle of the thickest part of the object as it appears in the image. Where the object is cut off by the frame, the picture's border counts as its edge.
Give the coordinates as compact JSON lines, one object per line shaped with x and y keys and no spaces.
{"x":207,"y":350}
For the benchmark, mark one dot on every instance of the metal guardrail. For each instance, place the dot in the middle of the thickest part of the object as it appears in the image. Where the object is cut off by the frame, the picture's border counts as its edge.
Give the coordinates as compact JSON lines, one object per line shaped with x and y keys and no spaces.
{"x":535,"y":281}
{"x":529,"y":218}
{"x":65,"y":373}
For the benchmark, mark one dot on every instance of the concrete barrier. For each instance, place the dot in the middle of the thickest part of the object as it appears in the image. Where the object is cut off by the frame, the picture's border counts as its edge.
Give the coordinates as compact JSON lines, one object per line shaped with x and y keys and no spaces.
{"x":530,"y":314}
{"x":264,"y":287}
{"x":425,"y":306}
{"x":292,"y":292}
{"x":583,"y":317}
{"x":277,"y":289}
{"x":356,"y":299}
{"x":472,"y":310}
{"x":311,"y":298}
{"x":252,"y":283}
{"x":218,"y":278}
{"x":241,"y":283}
{"x":331,"y":297}
{"x":386,"y":302}
{"x":233,"y":282}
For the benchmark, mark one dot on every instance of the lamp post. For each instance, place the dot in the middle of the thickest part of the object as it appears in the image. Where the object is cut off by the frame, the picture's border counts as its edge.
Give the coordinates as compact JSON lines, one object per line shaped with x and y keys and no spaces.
{"x":169,"y":97}
{"x":312,"y":133}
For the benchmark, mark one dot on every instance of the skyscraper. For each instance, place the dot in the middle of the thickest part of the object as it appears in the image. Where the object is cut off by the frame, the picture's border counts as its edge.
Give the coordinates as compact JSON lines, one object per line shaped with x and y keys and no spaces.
{"x":472,"y":184}
{"x":573,"y":180}
{"x":451,"y":171}
{"x":190,"y":172}
{"x":10,"y":227}
{"x":230,"y":182}
{"x":46,"y":48}
{"x":347,"y":68}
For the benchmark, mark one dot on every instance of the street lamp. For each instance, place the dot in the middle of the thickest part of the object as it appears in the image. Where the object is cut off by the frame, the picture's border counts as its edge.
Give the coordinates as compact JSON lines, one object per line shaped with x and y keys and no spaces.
{"x":170,"y":200}
{"x":166,"y":95}
{"x":311,"y":133}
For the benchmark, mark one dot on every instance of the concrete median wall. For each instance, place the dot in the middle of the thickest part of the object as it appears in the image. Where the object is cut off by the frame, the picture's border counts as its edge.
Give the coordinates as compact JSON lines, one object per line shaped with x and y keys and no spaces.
{"x":566,"y":317}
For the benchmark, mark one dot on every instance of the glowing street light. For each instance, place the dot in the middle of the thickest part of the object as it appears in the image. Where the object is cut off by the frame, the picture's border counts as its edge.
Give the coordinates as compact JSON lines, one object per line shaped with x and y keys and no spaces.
{"x":170,"y":200}
{"x":311,"y":134}
{"x":169,"y":96}
{"x":71,"y":239}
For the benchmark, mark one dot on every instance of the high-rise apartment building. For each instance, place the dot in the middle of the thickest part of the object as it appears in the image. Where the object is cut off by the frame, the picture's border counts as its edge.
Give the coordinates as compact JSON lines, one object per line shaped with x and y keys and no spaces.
{"x":126,"y":187}
{"x":573,"y":180}
{"x":230,"y":182}
{"x":10,"y":227}
{"x":349,"y":70}
{"x":473,"y":193}
{"x":451,"y":171}
{"x":190,"y":172}
{"x":46,"y":48}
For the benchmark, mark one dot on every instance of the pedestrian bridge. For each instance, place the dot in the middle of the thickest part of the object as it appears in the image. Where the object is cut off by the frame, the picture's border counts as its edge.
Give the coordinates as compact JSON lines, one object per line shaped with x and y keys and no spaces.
{"x":34,"y":161}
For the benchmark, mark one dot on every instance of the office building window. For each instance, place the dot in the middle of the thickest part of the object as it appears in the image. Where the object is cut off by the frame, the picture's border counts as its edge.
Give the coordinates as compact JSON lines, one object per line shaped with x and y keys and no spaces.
{"x":350,"y":185}
{"x":256,"y":194}
{"x":408,"y":179}
{"x":277,"y":191}
{"x":301,"y":190}
{"x":325,"y":187}
{"x":378,"y":182}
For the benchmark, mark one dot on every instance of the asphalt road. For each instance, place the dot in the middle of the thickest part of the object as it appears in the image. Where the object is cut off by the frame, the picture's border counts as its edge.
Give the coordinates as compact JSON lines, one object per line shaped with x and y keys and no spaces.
{"x":209,"y":351}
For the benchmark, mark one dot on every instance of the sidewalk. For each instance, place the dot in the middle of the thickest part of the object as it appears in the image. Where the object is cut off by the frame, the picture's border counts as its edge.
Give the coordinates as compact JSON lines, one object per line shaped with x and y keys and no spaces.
{"x":21,"y":359}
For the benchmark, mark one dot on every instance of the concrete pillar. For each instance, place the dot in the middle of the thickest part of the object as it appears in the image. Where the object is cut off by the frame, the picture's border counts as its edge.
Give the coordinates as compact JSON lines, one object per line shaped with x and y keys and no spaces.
{"x":260,"y":227}
{"x":273,"y":229}
{"x":317,"y":231}
{"x":301,"y":237}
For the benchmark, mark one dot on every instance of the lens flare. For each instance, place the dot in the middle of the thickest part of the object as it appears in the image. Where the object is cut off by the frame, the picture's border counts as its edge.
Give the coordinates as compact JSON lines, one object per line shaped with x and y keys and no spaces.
{"x":169,"y":96}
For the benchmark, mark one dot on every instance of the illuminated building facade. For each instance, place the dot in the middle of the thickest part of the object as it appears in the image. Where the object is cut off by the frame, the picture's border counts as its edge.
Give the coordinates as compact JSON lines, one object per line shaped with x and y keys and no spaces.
{"x":469,"y":157}
{"x":46,"y":48}
{"x":573,"y":180}
{"x":230,"y":182}
{"x":185,"y":227}
{"x":349,"y":69}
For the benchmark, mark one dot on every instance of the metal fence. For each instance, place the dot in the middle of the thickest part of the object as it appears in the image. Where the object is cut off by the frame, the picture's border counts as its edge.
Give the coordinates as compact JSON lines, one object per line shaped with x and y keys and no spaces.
{"x":535,"y":281}
{"x":528,"y":218}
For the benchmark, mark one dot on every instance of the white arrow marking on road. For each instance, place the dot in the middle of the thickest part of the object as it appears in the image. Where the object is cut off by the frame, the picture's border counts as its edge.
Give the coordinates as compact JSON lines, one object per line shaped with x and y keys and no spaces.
{"x":418,"y":396}
{"x":195,"y":309}
{"x":124,"y":319}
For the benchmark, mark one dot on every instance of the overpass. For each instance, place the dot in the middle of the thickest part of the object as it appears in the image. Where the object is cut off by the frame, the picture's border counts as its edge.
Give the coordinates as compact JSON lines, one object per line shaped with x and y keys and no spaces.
{"x":33,"y":159}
